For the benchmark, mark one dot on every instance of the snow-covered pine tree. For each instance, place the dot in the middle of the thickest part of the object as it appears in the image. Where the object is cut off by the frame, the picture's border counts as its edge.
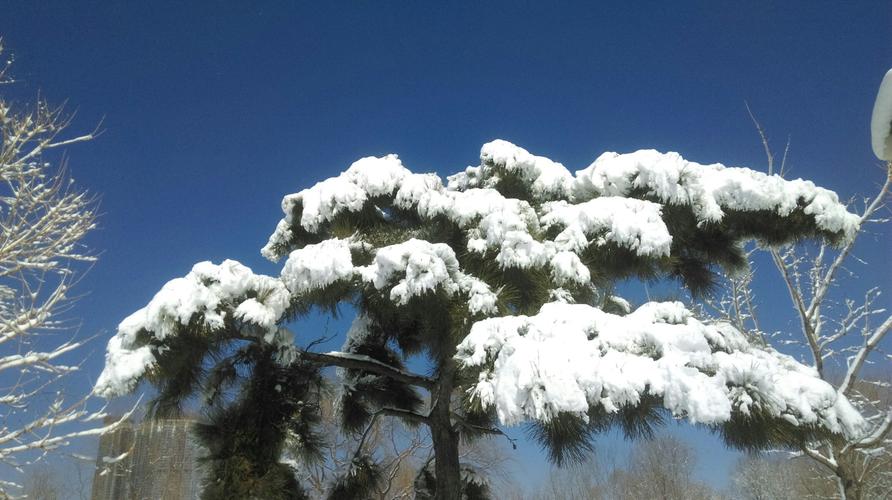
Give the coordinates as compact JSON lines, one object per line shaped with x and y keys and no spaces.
{"x":503,"y":277}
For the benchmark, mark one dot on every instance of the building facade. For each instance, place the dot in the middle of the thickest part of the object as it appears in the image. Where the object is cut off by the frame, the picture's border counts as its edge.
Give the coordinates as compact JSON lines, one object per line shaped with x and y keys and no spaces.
{"x":152,"y":460}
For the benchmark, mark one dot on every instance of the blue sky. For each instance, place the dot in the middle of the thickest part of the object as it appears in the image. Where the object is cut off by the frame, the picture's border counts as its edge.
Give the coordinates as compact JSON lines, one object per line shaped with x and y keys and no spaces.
{"x":213,"y":111}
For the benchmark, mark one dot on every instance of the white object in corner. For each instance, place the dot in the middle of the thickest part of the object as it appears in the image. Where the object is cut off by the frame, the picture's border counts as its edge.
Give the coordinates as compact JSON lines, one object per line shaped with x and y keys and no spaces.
{"x":881,"y":121}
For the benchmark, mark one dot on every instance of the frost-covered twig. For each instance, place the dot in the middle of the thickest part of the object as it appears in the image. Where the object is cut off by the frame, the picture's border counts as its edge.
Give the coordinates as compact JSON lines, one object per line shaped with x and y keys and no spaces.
{"x":44,"y":218}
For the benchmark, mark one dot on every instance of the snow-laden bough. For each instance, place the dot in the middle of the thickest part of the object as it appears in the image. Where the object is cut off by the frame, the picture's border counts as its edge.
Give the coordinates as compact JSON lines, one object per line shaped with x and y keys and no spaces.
{"x":210,"y":292}
{"x":569,"y":358}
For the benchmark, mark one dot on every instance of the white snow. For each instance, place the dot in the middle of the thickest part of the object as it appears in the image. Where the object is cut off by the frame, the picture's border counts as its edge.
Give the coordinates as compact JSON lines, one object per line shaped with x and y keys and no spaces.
{"x":203,"y":290}
{"x":318,"y":265}
{"x":408,"y":269}
{"x":367,"y":359}
{"x":630,"y":223}
{"x":569,"y":357}
{"x":567,"y":267}
{"x":881,"y":120}
{"x":620,"y":302}
{"x":415,"y":267}
{"x":280,"y":238}
{"x":366,"y":178}
{"x":357,"y":333}
{"x":208,"y":290}
{"x":710,"y":189}
{"x":124,"y":366}
{"x":594,"y":210}
{"x":546,"y":178}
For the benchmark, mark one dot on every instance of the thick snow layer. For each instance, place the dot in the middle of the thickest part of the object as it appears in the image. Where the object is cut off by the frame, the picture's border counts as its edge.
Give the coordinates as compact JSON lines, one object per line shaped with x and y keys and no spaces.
{"x":569,"y":357}
{"x":317,"y":266}
{"x":407,"y":269}
{"x":547,"y":179}
{"x":416,"y":267}
{"x":881,"y":120}
{"x":624,"y":305}
{"x":495,"y":223}
{"x":208,"y":290}
{"x":566,"y":358}
{"x":204,"y":290}
{"x":710,"y":189}
{"x":492,"y":221}
{"x":591,"y":206}
{"x":125,"y":364}
{"x":366,"y":178}
{"x":631,"y":223}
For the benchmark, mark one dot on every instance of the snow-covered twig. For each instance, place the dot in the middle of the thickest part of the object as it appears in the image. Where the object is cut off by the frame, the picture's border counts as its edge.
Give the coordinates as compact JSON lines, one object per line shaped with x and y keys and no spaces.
{"x":44,"y":218}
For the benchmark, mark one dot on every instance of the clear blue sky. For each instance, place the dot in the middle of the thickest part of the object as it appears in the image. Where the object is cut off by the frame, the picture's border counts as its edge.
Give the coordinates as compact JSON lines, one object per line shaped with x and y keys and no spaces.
{"x":213,"y":111}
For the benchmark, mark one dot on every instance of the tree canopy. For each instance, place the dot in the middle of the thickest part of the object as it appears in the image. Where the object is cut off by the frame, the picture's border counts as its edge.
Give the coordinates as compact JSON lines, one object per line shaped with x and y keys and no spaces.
{"x":504,"y":277}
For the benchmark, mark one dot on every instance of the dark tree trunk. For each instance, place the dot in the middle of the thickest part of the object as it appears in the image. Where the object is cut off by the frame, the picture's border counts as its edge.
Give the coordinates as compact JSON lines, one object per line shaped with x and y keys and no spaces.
{"x":445,"y":438}
{"x":851,"y":487}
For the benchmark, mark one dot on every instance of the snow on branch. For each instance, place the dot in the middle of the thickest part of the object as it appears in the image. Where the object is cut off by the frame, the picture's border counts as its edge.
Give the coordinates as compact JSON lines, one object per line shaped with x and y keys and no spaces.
{"x":44,"y":218}
{"x":367,"y":230}
{"x":471,"y":201}
{"x":547,"y":179}
{"x":369,"y":364}
{"x":809,"y":281}
{"x":211,"y":291}
{"x":570,"y":357}
{"x":214,"y":293}
{"x":711,"y":190}
{"x":837,"y":327}
{"x":631,"y":223}
{"x":407,"y":269}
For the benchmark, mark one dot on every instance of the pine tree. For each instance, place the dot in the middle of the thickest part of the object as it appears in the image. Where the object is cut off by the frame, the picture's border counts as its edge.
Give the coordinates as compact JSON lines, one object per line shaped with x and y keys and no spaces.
{"x":504,"y":279}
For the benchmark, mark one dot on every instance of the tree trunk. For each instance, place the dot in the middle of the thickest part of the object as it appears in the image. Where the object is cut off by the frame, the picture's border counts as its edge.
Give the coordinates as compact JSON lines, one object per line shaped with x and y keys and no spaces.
{"x":445,"y":438}
{"x":850,"y":488}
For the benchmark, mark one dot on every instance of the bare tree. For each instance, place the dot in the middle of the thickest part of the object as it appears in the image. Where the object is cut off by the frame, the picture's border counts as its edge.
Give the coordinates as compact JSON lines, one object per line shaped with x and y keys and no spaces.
{"x":41,"y":484}
{"x":43,"y":221}
{"x":835,"y":328}
{"x":660,"y":468}
{"x":774,"y":477}
{"x":764,"y":478}
{"x":580,"y":481}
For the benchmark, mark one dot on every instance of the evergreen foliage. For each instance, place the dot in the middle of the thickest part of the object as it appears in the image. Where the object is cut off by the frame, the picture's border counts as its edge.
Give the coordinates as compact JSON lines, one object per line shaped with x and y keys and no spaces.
{"x":422,"y":264}
{"x":361,"y":478}
{"x":245,"y":437}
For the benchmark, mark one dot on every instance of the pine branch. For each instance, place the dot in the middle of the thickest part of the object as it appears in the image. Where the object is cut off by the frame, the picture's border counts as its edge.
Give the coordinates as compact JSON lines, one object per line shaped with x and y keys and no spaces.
{"x":360,"y":362}
{"x":495,"y":431}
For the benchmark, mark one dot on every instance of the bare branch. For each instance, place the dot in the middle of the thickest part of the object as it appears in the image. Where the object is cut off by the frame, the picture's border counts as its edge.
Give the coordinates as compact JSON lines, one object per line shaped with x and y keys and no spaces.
{"x":43,"y":221}
{"x":869,"y":345}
